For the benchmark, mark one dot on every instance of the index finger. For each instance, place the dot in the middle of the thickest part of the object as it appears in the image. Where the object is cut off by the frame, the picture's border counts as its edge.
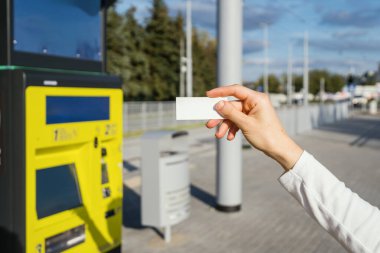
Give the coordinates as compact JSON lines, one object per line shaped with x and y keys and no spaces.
{"x":237,"y":91}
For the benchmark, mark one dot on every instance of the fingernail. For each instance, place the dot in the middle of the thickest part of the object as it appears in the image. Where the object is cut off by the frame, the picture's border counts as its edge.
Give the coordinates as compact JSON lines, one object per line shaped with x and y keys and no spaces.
{"x":219,"y":105}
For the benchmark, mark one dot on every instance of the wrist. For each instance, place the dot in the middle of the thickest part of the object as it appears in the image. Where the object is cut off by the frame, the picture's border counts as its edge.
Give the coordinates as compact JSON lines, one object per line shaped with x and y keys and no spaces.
{"x":287,"y":153}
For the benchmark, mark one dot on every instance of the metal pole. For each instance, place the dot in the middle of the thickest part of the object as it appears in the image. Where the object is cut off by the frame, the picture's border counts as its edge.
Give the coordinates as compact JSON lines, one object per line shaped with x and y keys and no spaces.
{"x":266,"y":60}
{"x":306,"y":70}
{"x":160,"y":114}
{"x":322,"y":89}
{"x":125,"y":117}
{"x":229,"y":156}
{"x":189,"y":53}
{"x":182,"y":70}
{"x":290,"y":75}
{"x":143,"y":115}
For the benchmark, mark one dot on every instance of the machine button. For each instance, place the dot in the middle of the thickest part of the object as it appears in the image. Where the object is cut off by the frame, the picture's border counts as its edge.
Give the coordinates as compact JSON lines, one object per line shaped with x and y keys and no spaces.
{"x":104,"y":152}
{"x":96,"y":142}
{"x":106,"y":192}
{"x":110,"y":213}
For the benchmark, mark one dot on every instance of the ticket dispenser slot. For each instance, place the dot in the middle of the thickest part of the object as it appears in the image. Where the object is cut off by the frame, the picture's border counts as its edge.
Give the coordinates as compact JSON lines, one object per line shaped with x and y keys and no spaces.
{"x":73,"y":175}
{"x":105,"y":177}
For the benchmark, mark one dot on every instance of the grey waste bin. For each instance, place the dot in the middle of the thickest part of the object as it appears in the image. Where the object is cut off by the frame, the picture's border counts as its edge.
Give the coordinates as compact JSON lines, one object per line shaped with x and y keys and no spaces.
{"x":165,"y":193}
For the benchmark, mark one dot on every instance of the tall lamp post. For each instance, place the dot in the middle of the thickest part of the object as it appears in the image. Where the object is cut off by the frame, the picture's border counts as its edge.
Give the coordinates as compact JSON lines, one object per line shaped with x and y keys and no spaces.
{"x":306,"y":70}
{"x":229,"y":158}
{"x":289,"y":83}
{"x":189,"y":52}
{"x":266,"y":60}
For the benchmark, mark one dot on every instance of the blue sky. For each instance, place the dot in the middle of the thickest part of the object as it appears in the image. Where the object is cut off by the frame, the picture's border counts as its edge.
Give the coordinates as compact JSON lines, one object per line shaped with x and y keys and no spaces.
{"x":344,"y":34}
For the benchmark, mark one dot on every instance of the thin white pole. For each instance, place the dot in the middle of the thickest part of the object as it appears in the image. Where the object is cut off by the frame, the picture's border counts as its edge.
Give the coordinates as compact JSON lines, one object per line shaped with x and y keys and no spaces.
{"x":266,"y":60}
{"x":189,"y":53}
{"x":230,"y":59}
{"x":182,"y":70}
{"x":306,"y":70}
{"x":290,"y":74}
{"x":322,"y":89}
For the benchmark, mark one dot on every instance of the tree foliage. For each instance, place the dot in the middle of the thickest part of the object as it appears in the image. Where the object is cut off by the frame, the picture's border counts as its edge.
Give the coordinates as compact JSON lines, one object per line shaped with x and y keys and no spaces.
{"x":162,"y":50}
{"x":333,"y":82}
{"x":147,"y":56}
{"x":368,"y":78}
{"x":116,"y":63}
{"x":274,"y":84}
{"x":137,"y":71}
{"x":204,"y":63}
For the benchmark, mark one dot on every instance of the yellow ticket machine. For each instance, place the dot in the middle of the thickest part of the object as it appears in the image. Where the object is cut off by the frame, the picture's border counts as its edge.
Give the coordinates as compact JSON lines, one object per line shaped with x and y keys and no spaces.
{"x":60,"y":129}
{"x":61,"y":162}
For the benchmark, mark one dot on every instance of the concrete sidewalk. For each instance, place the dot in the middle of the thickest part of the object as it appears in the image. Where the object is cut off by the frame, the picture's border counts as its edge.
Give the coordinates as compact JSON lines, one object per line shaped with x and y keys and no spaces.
{"x":271,"y":220}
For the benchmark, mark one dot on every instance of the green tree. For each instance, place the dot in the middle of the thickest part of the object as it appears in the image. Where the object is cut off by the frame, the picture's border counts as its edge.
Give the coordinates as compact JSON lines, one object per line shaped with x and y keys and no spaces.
{"x":335,"y":83}
{"x":136,"y":74}
{"x":180,"y":36}
{"x":298,"y":82}
{"x":368,"y":78}
{"x":162,"y":49}
{"x":115,"y":39}
{"x":204,"y":63}
{"x":274,"y":84}
{"x":315,"y":77}
{"x":147,"y":55}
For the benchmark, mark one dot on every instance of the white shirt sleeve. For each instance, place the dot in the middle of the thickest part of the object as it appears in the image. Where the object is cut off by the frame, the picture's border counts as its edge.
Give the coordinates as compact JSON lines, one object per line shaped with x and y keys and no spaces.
{"x":349,"y":219}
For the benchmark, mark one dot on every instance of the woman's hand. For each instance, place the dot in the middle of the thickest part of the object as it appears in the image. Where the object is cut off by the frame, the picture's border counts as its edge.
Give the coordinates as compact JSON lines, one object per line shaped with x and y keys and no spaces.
{"x":255,"y":116}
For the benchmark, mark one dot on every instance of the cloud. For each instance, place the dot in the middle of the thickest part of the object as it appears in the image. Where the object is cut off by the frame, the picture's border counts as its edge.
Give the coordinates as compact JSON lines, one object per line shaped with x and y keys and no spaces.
{"x":318,"y":8}
{"x":255,"y":15}
{"x":253,"y":46}
{"x":279,"y":66}
{"x":340,"y":45}
{"x":257,"y":62}
{"x":346,"y":45}
{"x":205,"y":14}
{"x":349,"y":34}
{"x":336,"y":63}
{"x":358,"y":18}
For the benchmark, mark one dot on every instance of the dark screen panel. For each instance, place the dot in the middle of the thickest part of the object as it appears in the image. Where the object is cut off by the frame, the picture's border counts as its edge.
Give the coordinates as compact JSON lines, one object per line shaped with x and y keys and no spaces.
{"x":65,"y":109}
{"x":66,"y":28}
{"x":57,"y":190}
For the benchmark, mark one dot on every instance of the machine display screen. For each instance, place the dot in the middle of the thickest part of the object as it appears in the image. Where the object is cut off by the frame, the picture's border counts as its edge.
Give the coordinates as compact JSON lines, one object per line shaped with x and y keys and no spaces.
{"x":57,"y":190}
{"x":69,"y":109}
{"x":67,"y":28}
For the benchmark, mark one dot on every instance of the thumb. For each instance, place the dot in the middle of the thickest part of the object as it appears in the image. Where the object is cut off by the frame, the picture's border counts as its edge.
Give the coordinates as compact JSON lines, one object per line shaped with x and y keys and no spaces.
{"x":228,"y":111}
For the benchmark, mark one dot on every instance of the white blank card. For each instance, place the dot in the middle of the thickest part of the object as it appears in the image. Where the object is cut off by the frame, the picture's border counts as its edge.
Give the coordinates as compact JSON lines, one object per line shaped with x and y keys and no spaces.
{"x":197,"y":108}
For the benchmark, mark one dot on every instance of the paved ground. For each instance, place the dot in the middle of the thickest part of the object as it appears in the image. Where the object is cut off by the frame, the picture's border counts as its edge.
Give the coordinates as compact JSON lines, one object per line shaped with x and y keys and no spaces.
{"x":271,"y":220}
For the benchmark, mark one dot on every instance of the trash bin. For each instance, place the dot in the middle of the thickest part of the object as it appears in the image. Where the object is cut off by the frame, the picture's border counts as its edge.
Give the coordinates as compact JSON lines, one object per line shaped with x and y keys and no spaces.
{"x":373,"y":106}
{"x":165,"y":193}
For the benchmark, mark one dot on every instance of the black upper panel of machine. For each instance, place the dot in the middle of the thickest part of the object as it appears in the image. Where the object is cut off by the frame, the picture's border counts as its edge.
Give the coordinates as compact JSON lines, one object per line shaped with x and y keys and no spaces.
{"x":55,"y":34}
{"x":67,"y":28}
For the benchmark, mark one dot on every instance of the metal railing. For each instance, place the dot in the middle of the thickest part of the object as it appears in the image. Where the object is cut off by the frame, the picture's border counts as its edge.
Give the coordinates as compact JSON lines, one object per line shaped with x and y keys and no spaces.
{"x":143,"y":116}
